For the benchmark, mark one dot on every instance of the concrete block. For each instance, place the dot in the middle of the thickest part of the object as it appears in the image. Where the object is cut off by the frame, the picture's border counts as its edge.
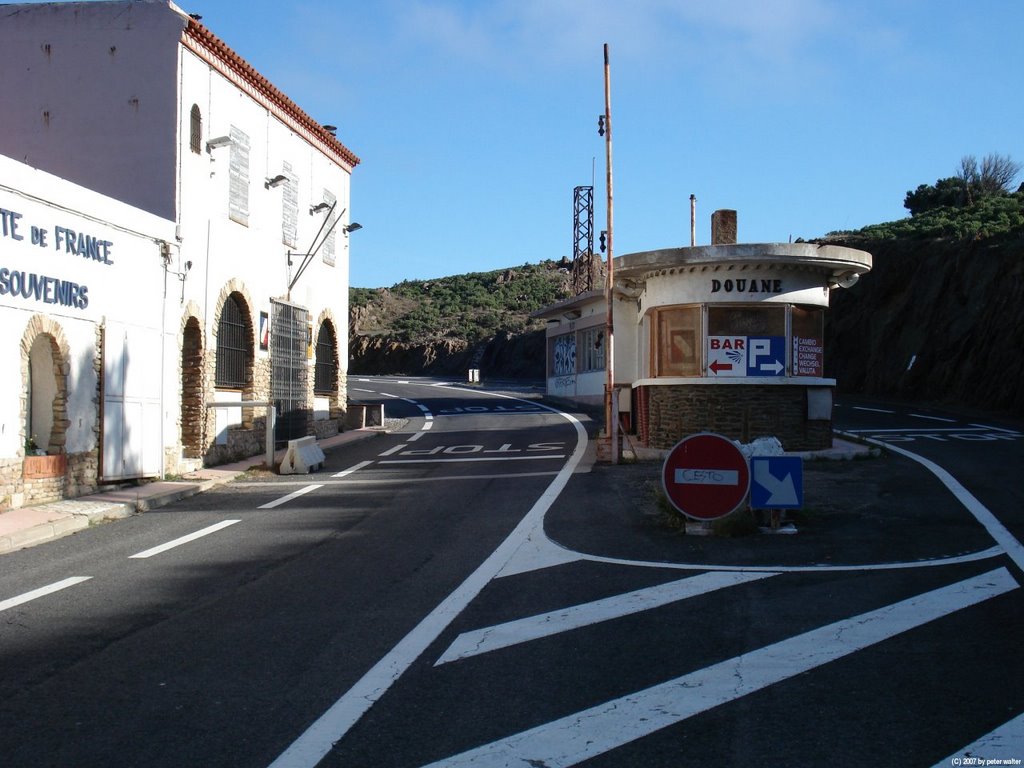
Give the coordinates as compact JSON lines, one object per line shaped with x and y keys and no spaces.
{"x":302,"y":456}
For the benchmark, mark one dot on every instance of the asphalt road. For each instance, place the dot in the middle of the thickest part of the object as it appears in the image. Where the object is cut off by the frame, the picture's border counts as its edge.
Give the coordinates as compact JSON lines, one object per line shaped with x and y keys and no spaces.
{"x":468,"y":590}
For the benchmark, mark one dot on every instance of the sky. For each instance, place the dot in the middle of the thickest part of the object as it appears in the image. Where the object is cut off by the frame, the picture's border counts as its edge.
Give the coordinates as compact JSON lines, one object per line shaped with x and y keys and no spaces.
{"x":475,"y":120}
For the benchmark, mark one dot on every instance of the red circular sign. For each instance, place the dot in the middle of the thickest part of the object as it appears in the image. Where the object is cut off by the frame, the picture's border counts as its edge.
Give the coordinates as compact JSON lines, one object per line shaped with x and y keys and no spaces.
{"x":706,"y":476}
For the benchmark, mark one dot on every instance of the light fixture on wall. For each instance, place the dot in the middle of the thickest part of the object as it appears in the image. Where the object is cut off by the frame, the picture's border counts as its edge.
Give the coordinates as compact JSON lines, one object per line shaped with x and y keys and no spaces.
{"x":845,"y":280}
{"x":352,"y":227}
{"x":276,"y":181}
{"x":319,"y":207}
{"x":217,"y":143}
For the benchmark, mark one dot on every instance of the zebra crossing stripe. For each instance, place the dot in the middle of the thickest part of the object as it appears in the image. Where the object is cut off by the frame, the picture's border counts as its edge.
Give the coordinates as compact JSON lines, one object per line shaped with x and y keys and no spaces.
{"x":1003,"y":746}
{"x":523,"y":630}
{"x":592,"y":732}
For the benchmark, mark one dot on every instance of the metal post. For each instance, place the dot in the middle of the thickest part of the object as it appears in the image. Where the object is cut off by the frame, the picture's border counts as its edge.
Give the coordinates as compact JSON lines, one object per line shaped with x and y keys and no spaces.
{"x":693,"y":220}
{"x":610,"y":418}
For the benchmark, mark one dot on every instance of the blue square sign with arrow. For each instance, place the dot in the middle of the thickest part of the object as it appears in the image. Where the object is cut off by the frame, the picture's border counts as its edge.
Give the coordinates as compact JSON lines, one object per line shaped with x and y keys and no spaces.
{"x":776,"y":482}
{"x":766,"y":355}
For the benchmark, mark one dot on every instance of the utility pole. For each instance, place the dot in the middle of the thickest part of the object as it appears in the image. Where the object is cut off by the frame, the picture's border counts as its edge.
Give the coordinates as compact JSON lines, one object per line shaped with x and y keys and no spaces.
{"x":610,"y":412}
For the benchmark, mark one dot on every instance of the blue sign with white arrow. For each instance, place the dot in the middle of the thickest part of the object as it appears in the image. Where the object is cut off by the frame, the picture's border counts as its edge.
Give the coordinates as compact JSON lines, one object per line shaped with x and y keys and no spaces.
{"x":766,"y":355}
{"x":776,"y":482}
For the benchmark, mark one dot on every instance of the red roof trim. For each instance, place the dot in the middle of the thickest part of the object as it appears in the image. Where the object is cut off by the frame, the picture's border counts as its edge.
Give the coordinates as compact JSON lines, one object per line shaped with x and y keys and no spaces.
{"x":201,"y":40}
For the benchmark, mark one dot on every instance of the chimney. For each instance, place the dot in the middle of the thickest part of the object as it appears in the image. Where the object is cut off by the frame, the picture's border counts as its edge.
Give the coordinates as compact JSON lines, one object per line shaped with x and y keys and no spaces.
{"x":723,"y":227}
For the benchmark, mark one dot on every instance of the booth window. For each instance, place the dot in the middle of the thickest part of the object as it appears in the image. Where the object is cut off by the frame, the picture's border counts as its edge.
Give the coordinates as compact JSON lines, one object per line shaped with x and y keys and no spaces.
{"x":747,"y":321}
{"x":591,"y":350}
{"x":232,"y":346}
{"x":677,"y":342}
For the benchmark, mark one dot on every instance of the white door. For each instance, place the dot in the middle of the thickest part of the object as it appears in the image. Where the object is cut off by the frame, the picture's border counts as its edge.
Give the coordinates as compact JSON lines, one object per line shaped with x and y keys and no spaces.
{"x":131,"y":402}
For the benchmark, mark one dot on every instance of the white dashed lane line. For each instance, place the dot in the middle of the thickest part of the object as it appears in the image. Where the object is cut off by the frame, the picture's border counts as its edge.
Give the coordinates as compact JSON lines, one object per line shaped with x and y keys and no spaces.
{"x":289,"y":497}
{"x":35,"y":594}
{"x":352,"y":469}
{"x":184,"y":539}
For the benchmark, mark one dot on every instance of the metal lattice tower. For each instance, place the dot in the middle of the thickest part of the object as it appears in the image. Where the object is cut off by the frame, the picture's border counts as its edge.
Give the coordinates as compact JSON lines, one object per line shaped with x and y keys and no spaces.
{"x":583,"y":240}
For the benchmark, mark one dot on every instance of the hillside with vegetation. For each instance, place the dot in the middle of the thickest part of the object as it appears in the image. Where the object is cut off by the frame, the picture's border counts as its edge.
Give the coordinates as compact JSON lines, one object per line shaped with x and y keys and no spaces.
{"x":445,"y":326}
{"x":941,"y":314}
{"x":939,"y":317}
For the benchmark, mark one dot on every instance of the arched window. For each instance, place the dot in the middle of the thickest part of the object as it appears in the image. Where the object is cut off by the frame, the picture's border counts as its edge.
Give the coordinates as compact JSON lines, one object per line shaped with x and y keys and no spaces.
{"x":197,"y":129}
{"x":326,"y":377}
{"x":233,"y":345}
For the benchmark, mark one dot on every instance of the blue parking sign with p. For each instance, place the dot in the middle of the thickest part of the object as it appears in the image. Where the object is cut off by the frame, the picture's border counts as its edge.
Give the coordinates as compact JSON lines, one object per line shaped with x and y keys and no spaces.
{"x":766,"y":355}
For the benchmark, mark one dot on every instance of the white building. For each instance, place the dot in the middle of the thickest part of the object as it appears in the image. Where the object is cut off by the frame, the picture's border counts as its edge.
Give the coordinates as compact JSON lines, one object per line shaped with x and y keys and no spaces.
{"x":208,"y":188}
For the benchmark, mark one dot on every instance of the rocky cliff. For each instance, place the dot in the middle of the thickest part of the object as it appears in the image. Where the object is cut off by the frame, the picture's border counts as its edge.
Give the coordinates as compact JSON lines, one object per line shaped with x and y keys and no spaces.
{"x":503,"y":356}
{"x":938,"y":319}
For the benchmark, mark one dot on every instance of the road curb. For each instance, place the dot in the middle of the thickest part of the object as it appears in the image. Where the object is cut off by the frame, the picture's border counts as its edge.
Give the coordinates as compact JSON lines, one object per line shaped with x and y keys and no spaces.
{"x":29,"y":526}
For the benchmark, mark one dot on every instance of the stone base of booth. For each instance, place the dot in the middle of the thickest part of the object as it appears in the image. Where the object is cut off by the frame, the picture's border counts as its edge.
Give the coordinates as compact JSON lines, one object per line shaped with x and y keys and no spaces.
{"x":743,"y":412}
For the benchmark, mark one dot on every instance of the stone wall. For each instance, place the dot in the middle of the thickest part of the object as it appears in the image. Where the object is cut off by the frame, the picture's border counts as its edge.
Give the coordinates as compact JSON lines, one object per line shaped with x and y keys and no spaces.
{"x":740,"y":412}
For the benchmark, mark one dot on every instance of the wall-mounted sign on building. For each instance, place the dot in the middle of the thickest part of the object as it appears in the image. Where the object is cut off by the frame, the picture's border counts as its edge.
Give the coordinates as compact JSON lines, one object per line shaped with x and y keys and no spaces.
{"x":746,"y":355}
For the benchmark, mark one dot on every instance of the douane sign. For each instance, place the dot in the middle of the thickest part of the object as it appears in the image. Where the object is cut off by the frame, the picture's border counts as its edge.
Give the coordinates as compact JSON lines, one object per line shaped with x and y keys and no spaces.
{"x":705,"y":476}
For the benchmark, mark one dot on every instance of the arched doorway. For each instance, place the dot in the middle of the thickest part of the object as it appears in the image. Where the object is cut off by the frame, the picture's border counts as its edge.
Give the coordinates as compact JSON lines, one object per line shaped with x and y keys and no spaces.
{"x":193,"y":413}
{"x":44,"y":357}
{"x":44,"y":380}
{"x":40,"y":396}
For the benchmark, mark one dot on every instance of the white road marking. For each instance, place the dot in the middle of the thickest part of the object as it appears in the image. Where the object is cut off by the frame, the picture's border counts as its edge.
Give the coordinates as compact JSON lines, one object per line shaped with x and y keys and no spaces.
{"x":871,"y":410}
{"x":289,"y":497}
{"x":1005,"y":743}
{"x":970,"y":557}
{"x":493,"y":413}
{"x":415,"y":436}
{"x":352,"y":469}
{"x":385,"y":480}
{"x":997,"y":429}
{"x":184,"y":539}
{"x":981,"y":513}
{"x":387,"y":394}
{"x":427,"y":425}
{"x":311,"y":747}
{"x":914,"y":429}
{"x":391,"y":450}
{"x":26,"y":597}
{"x":544,"y":625}
{"x":356,"y":389}
{"x":471,"y":458}
{"x":932,"y":418}
{"x":592,"y":732}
